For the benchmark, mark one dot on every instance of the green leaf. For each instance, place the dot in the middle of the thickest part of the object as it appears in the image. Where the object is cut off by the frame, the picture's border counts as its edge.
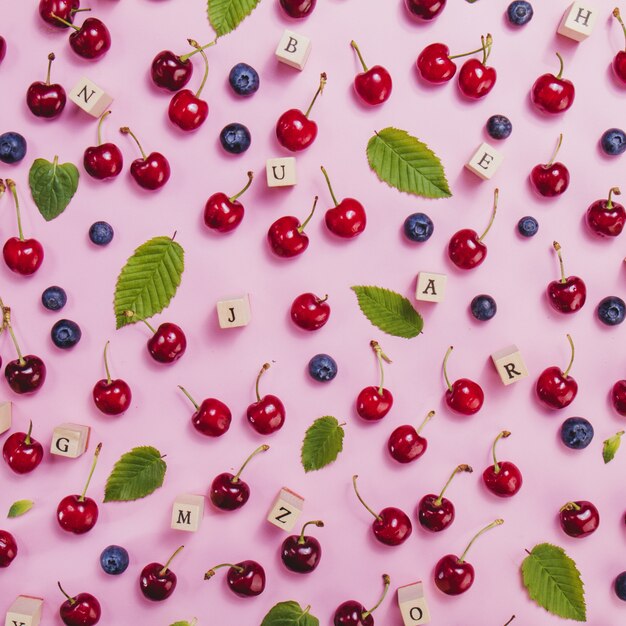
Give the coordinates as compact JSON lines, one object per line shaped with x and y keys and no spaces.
{"x":193,"y":622}
{"x":390,"y":311}
{"x":289,"y":614}
{"x":149,"y":280}
{"x":20,"y":507}
{"x":136,"y":475}
{"x":322,"y":443}
{"x":52,"y":186}
{"x":404,"y":162}
{"x":554,"y":582}
{"x":611,"y":446}
{"x":226,"y":15}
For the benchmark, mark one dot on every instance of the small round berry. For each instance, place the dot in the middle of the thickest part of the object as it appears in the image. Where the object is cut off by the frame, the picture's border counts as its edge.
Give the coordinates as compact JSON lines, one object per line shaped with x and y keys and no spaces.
{"x":620,"y":586}
{"x":418,"y":227}
{"x":101,"y":233}
{"x":114,"y":560}
{"x":322,"y":368}
{"x":519,"y":12}
{"x":483,"y":307}
{"x":235,"y":138}
{"x":54,"y":298}
{"x":528,"y":226}
{"x":613,"y":141}
{"x":244,"y":79}
{"x":12,"y":147}
{"x":499,"y":127}
{"x":611,"y":311}
{"x":65,"y":334}
{"x":576,"y":433}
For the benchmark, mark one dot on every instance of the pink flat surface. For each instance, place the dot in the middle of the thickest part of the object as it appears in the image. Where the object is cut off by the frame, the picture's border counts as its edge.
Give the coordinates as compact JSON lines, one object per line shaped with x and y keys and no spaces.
{"x":224,"y":363}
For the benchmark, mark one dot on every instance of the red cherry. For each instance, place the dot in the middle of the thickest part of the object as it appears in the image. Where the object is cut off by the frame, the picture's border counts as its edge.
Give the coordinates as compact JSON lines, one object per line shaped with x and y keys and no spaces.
{"x":168,"y":342}
{"x":373,"y":403}
{"x":111,"y":397}
{"x":80,"y":610}
{"x":476,"y":80}
{"x":405,"y":444}
{"x":22,"y":452}
{"x":618,"y":397}
{"x":310,"y":312}
{"x":553,"y":94}
{"x":211,"y":418}
{"x":49,"y":10}
{"x":294,"y":130}
{"x":464,"y":396}
{"x":286,"y":235}
{"x":373,"y":85}
{"x":172,"y":72}
{"x":556,"y":389}
{"x":298,"y":8}
{"x":502,"y":478}
{"x":8,"y":548}
{"x":301,"y":553}
{"x":568,"y":294}
{"x":551,"y":179}
{"x":92,"y":40}
{"x":619,"y":62}
{"x":45,"y":99}
{"x":151,"y":171}
{"x":157,"y":582}
{"x":605,"y":217}
{"x":3,"y":48}
{"x":347,"y":218}
{"x":104,"y":160}
{"x":224,"y":214}
{"x":435,"y":65}
{"x":245,"y":579}
{"x":267,"y":414}
{"x":353,"y":613}
{"x":425,"y":9}
{"x":579,"y":519}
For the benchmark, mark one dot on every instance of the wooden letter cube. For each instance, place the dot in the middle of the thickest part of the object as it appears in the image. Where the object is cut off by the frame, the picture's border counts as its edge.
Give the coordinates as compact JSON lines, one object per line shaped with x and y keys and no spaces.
{"x":90,"y":98}
{"x":286,"y":509}
{"x":431,"y":287}
{"x":281,"y":172}
{"x":234,"y":313}
{"x":70,"y":440}
{"x":6,"y":410}
{"x":413,"y":605}
{"x":187,"y":512}
{"x":25,"y":611}
{"x":578,"y":21}
{"x":509,"y":364}
{"x":485,"y":161}
{"x":293,"y":49}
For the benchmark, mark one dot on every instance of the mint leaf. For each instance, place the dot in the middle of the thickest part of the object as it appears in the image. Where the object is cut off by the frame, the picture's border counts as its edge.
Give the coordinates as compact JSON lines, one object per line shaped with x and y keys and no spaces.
{"x":52,"y":186}
{"x":554,"y":582}
{"x":136,"y":475}
{"x":149,"y":280}
{"x":20,"y":507}
{"x":322,"y":443}
{"x":611,"y":446}
{"x":226,"y":15}
{"x":404,"y":162}
{"x":390,"y":311}
{"x":289,"y":614}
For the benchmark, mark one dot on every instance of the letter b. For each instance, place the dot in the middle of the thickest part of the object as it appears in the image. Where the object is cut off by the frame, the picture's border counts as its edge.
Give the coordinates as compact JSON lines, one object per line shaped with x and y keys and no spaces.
{"x":292,"y":45}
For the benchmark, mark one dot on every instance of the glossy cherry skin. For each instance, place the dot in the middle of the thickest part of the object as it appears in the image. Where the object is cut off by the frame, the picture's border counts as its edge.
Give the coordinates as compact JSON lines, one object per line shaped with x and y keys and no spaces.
{"x":550,"y":180}
{"x":309,"y":312}
{"x":26,"y":377}
{"x":606,"y":222}
{"x":295,"y":131}
{"x":285,"y":239}
{"x":23,"y":257}
{"x":8,"y":548}
{"x":169,"y":72}
{"x":453,"y":578}
{"x":92,"y":40}
{"x":168,"y":344}
{"x":249,"y":582}
{"x":581,"y":522}
{"x":374,"y":86}
{"x":76,"y":516}
{"x":187,"y":111}
{"x":157,"y":586}
{"x":46,"y":100}
{"x":228,"y":495}
{"x":112,"y":397}
{"x":103,"y":161}
{"x":552,"y":95}
{"x":435,"y":65}
{"x":3,"y":48}
{"x":20,"y":456}
{"x":406,"y":445}
{"x":465,"y":250}
{"x":433,"y":516}
{"x":392,"y":527}
{"x":267,"y":415}
{"x":619,"y":65}
{"x":618,"y":397}
{"x":425,"y":9}
{"x":555,"y":390}
{"x":372,"y":405}
{"x":83,"y":610}
{"x":152,"y":172}
{"x":301,"y":558}
{"x":222,"y":214}
{"x":505,"y":483}
{"x":567,"y":297}
{"x":298,"y":8}
{"x":62,"y":8}
{"x":350,"y":613}
{"x":347,"y":219}
{"x":476,"y":80}
{"x":212,"y":418}
{"x":466,"y":396}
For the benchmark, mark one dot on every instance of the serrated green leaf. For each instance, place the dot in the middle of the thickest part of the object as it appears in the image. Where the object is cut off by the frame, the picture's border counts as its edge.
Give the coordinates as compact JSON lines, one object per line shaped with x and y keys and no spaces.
{"x":52,"y":186}
{"x":20,"y":507}
{"x":389,"y":311}
{"x":289,"y":614}
{"x":554,"y":582}
{"x":136,"y":475}
{"x":149,"y":280}
{"x":404,"y":162}
{"x":226,"y":15}
{"x":322,"y":443}
{"x":611,"y":446}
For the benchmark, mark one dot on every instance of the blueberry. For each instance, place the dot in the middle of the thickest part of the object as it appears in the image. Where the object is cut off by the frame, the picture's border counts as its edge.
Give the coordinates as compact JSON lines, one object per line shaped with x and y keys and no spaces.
{"x":418,"y":227}
{"x":54,"y":298}
{"x":65,"y":334}
{"x":483,"y":307}
{"x":101,"y":233}
{"x":114,"y":560}
{"x":613,"y":141}
{"x":235,"y":138}
{"x":12,"y":147}
{"x":576,"y":433}
{"x":528,"y":226}
{"x":244,"y":79}
{"x":322,"y":368}
{"x":611,"y":311}
{"x":519,"y":12}
{"x":620,"y":586}
{"x":499,"y":127}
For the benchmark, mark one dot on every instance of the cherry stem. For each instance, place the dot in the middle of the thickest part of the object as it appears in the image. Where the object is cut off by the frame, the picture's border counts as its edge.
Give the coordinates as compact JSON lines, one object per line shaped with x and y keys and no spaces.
{"x":127,"y":131}
{"x":496,"y":193}
{"x":445,"y":371}
{"x":3,"y":188}
{"x":262,"y":448}
{"x":387,"y":582}
{"x":210,"y":573}
{"x":106,"y":362}
{"x":503,"y":435}
{"x":457,"y":470}
{"x":488,"y":43}
{"x":152,"y":328}
{"x":30,"y":430}
{"x":13,"y":190}
{"x":561,"y":65}
{"x":308,"y":219}
{"x":497,"y":522}
{"x":100,"y":125}
{"x":17,"y":346}
{"x":6,"y":323}
{"x":51,"y":58}
{"x":510,"y":621}
{"x":571,"y":360}
{"x":197,"y":46}
{"x":184,"y":57}
{"x":427,"y":419}
{"x":381,"y":356}
{"x":323,"y":79}
{"x":317,"y":523}
{"x":617,"y":15}
{"x":96,"y":454}
{"x":358,"y":495}
{"x":320,"y":300}
{"x":72,"y":601}
{"x":60,"y":19}
{"x":167,"y":565}
{"x":237,"y":195}
{"x":264,"y":369}
{"x":466,"y":54}
{"x":79,"y":10}
{"x":189,"y":396}
{"x":612,"y":191}
{"x":356,"y":49}
{"x":557,"y":246}
{"x":570,"y":506}
{"x":556,"y":150}
{"x":330,"y":188}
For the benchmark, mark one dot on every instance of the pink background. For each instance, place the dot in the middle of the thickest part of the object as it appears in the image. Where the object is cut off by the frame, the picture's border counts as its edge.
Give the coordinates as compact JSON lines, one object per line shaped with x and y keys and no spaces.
{"x":224,"y":363}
